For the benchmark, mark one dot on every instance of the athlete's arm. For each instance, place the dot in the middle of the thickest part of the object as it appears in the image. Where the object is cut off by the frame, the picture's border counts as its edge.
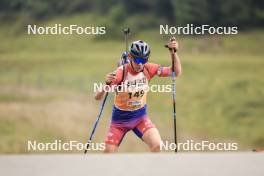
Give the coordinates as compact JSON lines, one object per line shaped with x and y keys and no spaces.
{"x":156,"y":69}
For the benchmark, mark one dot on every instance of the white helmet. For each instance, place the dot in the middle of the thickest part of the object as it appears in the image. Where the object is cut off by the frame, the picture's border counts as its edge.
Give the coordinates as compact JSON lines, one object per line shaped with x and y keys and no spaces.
{"x":139,"y":49}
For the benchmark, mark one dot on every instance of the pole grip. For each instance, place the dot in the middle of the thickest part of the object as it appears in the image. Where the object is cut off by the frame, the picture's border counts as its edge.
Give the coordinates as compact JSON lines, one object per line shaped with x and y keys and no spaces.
{"x":166,"y":46}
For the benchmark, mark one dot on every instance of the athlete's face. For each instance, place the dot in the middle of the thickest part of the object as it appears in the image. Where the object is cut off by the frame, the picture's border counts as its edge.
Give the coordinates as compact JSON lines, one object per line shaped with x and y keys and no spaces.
{"x":137,"y":67}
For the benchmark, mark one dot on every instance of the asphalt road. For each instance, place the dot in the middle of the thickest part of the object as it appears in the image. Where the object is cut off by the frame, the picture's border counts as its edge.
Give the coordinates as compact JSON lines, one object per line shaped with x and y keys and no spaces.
{"x":184,"y":164}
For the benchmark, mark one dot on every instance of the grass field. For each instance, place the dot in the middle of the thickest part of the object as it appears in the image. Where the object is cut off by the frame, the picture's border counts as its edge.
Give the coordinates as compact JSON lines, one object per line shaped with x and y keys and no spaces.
{"x":46,"y":87}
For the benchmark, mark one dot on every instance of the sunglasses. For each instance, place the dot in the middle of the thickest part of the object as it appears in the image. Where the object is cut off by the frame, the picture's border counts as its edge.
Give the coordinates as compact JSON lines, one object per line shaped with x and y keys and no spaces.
{"x":139,"y":60}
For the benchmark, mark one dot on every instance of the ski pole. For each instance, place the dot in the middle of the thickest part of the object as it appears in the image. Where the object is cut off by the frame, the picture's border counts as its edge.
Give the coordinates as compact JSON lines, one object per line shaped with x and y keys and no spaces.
{"x":126,"y":32}
{"x":95,"y":124}
{"x":174,"y":97}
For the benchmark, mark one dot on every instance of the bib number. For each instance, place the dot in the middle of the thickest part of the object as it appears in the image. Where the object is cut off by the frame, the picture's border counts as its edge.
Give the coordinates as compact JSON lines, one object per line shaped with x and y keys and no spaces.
{"x":136,"y":94}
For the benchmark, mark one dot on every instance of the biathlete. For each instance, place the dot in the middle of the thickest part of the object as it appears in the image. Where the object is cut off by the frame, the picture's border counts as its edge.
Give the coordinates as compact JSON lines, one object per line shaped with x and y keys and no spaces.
{"x":130,"y":106}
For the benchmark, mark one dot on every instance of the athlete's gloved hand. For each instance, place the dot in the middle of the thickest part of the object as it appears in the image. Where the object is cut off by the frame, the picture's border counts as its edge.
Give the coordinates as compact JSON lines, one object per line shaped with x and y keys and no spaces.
{"x":173,"y":45}
{"x":110,"y":77}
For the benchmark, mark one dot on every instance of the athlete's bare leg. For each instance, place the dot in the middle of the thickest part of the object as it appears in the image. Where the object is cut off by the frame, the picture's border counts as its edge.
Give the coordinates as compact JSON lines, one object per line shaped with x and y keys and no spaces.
{"x":152,"y":138}
{"x":110,"y":148}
